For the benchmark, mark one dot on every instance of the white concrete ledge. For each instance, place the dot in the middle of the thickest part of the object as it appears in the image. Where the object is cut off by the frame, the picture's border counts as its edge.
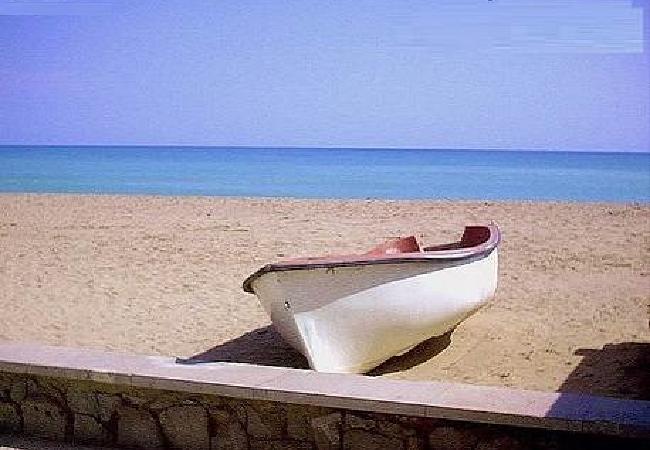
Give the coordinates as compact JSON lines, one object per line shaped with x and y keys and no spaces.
{"x":462,"y":402}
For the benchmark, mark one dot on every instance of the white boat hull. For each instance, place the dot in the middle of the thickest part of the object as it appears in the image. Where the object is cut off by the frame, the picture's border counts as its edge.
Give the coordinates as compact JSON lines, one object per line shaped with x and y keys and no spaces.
{"x":351,"y":319}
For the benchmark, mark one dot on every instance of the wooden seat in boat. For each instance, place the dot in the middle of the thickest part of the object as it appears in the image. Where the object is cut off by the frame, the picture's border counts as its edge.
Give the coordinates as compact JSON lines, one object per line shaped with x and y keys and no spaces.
{"x":401,"y":245}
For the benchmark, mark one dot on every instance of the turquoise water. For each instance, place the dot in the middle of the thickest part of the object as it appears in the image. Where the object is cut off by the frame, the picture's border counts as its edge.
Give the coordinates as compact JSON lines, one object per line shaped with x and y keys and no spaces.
{"x":328,"y":173}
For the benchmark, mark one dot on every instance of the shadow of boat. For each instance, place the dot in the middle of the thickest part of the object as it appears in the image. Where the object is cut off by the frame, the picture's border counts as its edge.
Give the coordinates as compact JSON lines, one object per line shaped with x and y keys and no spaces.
{"x":617,"y":370}
{"x":607,"y":394}
{"x":264,"y":346}
{"x":419,"y":354}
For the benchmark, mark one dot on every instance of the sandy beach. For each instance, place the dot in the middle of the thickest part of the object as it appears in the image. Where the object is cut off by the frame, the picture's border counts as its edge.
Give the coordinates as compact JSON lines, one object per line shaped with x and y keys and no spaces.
{"x":162,"y":275}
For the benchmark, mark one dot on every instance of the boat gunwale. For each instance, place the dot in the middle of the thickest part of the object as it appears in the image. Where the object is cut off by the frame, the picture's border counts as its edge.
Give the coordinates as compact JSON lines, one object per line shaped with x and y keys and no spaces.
{"x":481,"y":249}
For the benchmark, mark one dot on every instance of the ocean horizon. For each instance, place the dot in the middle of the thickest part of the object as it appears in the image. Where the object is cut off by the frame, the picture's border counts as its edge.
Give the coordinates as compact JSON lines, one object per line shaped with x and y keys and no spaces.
{"x":334,"y":172}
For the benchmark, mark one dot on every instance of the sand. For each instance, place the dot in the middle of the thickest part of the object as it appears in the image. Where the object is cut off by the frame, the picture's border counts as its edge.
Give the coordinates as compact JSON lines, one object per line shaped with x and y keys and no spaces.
{"x":162,"y":275}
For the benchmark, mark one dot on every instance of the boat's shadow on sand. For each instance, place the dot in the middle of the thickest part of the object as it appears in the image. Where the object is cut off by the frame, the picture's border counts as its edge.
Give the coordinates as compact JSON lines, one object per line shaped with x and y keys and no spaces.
{"x":419,"y":354}
{"x":618,"y":369}
{"x":265,"y":346}
{"x":615,"y":369}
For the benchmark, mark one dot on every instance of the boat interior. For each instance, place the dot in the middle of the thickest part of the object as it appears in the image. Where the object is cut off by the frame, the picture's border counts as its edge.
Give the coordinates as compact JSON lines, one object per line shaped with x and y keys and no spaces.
{"x":476,"y":240}
{"x":472,"y":237}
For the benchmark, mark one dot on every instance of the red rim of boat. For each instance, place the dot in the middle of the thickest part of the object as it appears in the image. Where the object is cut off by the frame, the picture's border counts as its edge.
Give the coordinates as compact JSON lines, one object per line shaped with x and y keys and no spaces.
{"x":476,"y":241}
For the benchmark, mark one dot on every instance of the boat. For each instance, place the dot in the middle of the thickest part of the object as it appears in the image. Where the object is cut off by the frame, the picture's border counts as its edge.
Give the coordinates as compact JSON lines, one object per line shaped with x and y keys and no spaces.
{"x":350,"y":313}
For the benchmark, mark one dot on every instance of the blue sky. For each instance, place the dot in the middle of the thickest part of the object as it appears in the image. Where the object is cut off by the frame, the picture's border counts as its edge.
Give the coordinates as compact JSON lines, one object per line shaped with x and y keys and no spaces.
{"x":562,"y":74}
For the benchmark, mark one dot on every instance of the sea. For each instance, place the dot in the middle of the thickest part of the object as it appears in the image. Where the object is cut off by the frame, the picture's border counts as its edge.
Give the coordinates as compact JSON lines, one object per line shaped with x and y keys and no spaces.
{"x":328,"y":173}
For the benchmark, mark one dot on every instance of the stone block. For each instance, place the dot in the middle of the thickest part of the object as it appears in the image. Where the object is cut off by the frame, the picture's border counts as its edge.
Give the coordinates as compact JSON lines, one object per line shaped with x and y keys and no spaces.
{"x":5,"y":386}
{"x":83,"y":402}
{"x":265,"y":420}
{"x":135,"y":399}
{"x":226,"y":432}
{"x":186,"y":427}
{"x":503,"y":442}
{"x":99,"y":405}
{"x":260,"y":444}
{"x":87,"y":430}
{"x":414,"y":443}
{"x":21,"y":389}
{"x":165,"y":400}
{"x":451,"y":438}
{"x":46,"y":388}
{"x":5,"y":380}
{"x":355,"y":439}
{"x":137,"y":428}
{"x":388,"y":428}
{"x":108,"y":405}
{"x":237,"y":407}
{"x":299,"y":417}
{"x":18,"y":391}
{"x":360,"y":423}
{"x":9,"y":418}
{"x":327,"y":431}
{"x":298,"y":422}
{"x":43,"y":418}
{"x":380,"y":424}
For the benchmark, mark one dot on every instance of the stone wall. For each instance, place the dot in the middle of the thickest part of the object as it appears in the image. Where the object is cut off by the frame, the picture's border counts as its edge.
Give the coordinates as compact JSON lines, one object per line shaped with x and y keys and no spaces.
{"x":91,"y":412}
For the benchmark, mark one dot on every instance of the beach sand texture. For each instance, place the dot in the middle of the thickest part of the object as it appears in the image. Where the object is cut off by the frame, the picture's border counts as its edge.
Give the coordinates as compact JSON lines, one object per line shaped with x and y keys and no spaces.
{"x":162,"y":275}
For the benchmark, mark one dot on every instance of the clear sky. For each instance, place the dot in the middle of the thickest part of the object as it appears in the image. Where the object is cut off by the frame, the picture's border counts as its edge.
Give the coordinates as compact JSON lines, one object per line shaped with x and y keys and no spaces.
{"x":547,"y":74}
